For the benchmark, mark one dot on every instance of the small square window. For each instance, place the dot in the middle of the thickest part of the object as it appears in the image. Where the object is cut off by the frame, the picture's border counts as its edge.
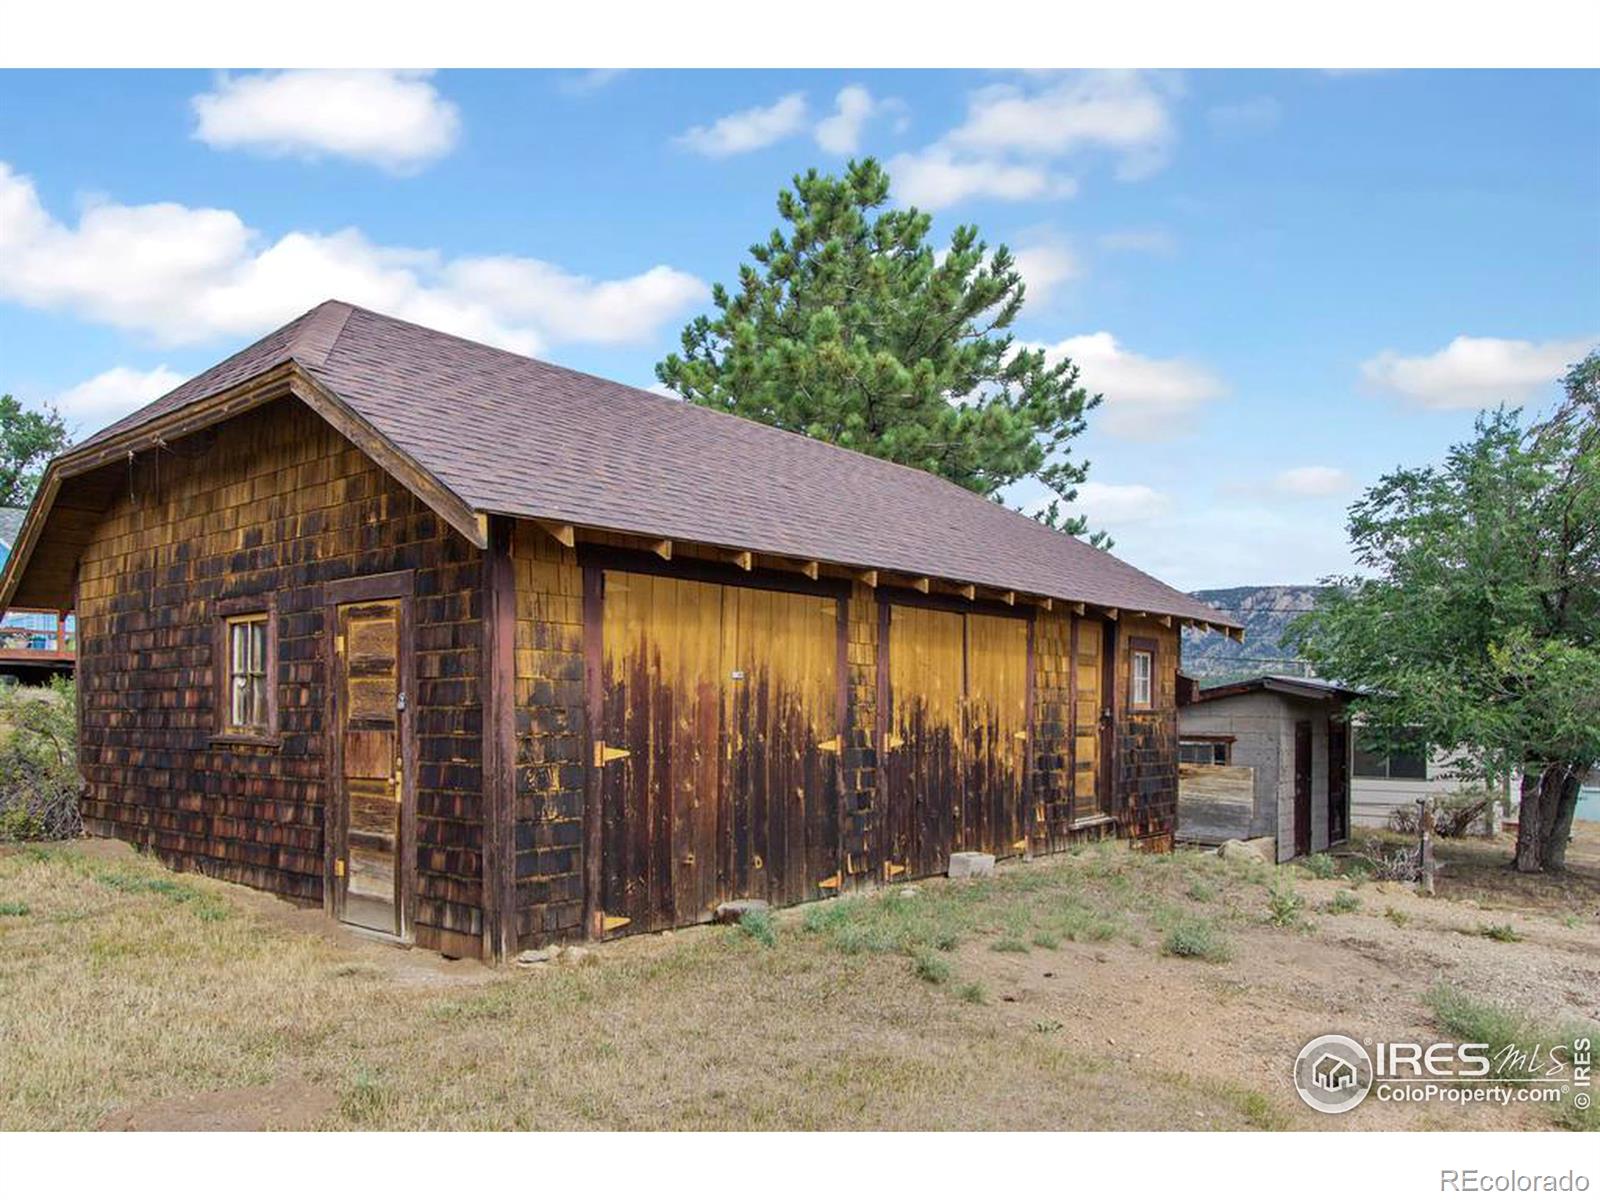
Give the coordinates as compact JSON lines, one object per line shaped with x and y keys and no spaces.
{"x":1143,"y":677}
{"x":248,"y":710}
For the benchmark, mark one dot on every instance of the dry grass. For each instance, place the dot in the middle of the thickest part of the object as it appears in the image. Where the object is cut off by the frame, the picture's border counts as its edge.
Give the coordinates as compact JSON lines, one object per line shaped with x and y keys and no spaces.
{"x":124,"y":987}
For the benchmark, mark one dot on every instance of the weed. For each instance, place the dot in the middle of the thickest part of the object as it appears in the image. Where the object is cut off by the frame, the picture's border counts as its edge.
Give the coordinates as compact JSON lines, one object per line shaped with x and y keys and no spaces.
{"x":757,"y":925}
{"x":1048,"y":1025}
{"x":14,"y":908}
{"x":1284,"y":905}
{"x":1344,"y":902}
{"x":365,"y":1101}
{"x":1047,"y":941}
{"x":1321,"y":866}
{"x":973,"y":993}
{"x":1498,"y":933}
{"x":1397,"y":918}
{"x":1202,"y":891}
{"x":1009,"y":945}
{"x":1194,"y":938}
{"x":929,"y":967}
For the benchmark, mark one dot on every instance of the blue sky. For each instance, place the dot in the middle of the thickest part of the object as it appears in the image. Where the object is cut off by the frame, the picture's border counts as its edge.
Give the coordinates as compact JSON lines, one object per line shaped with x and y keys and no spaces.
{"x":1285,"y":283}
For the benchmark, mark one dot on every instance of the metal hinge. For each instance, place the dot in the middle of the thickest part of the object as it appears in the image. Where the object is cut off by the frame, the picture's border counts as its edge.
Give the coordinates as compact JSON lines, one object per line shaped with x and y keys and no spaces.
{"x":832,"y":881}
{"x":890,"y":870}
{"x":608,"y":922}
{"x":604,"y":754}
{"x":1022,"y":845}
{"x":892,"y":741}
{"x":338,"y":643}
{"x":338,"y":868}
{"x":831,"y":745}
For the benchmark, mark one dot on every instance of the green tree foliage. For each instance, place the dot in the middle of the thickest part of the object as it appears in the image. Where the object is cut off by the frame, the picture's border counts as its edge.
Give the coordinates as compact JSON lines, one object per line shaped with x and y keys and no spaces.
{"x":1476,"y":622}
{"x":28,"y":440}
{"x":850,"y":328}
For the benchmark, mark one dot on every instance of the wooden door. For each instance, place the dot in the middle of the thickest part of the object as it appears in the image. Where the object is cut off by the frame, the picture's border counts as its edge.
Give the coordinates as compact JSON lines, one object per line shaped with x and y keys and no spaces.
{"x":920,"y":759}
{"x":658,"y":750}
{"x":371,"y":855}
{"x":1302,"y":787}
{"x":717,"y":747}
{"x":1338,"y":781}
{"x":781,"y":786}
{"x":1089,"y":727}
{"x":992,"y":818}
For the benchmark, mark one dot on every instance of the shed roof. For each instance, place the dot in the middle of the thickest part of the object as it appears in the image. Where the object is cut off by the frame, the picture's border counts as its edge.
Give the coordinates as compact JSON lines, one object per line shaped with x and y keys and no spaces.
{"x":510,"y":435}
{"x":1288,"y":685}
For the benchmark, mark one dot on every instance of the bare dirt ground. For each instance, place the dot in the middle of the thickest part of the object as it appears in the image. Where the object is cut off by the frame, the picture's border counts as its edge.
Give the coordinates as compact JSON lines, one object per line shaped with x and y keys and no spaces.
{"x":1046,"y":997}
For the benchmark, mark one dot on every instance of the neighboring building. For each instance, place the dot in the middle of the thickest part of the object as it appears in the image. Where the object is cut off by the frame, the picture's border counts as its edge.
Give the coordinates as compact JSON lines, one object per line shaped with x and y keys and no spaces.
{"x":1265,"y":757}
{"x":1382,"y":783}
{"x":479,"y":652}
{"x":35,"y":644}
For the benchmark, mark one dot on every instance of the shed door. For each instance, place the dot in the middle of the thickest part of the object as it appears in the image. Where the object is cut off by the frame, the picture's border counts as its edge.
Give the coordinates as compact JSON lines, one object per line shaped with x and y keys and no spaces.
{"x":923,"y":729}
{"x":992,"y":817}
{"x":717,"y":748}
{"x":368,"y":849}
{"x":1302,"y":787}
{"x":1088,"y":722}
{"x":1338,"y":781}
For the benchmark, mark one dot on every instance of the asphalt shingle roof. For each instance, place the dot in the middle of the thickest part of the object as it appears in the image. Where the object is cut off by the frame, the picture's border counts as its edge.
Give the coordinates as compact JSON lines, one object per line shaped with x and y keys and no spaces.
{"x":525,"y":438}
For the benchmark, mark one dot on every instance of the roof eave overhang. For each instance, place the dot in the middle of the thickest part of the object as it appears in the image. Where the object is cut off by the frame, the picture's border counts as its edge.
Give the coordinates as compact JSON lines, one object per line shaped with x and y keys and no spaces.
{"x":284,"y":380}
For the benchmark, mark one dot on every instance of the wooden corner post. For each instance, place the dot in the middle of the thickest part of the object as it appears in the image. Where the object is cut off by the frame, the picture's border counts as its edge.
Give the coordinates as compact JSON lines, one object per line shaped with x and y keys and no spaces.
{"x":499,"y":743}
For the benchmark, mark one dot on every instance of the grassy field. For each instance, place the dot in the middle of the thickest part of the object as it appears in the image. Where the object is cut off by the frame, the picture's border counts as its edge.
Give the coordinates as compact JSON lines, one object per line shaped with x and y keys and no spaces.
{"x":1100,"y":989}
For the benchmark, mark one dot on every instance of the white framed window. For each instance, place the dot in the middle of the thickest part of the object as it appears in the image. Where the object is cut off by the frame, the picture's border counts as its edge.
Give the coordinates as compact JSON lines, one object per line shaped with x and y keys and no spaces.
{"x":1142,"y":676}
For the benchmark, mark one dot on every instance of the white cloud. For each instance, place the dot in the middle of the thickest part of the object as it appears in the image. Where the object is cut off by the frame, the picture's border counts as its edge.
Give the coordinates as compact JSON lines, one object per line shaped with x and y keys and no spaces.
{"x":585,"y":83}
{"x":934,"y":178}
{"x":396,"y":119}
{"x":115,"y":393}
{"x":1138,"y":241}
{"x":186,"y":275}
{"x":853,"y":107}
{"x":1145,"y":398}
{"x":1045,"y":265}
{"x":1311,"y":481}
{"x":1115,"y":110}
{"x":1242,"y":118}
{"x":1120,"y":503}
{"x":749,"y":129}
{"x":1473,"y":372}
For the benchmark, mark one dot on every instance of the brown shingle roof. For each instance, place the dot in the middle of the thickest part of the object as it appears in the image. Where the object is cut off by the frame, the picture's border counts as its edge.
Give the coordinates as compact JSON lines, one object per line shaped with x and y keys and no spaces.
{"x":524,"y":438}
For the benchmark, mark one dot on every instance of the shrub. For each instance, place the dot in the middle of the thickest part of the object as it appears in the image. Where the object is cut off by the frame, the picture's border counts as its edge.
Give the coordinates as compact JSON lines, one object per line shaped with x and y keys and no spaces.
{"x":1009,"y":945}
{"x":14,"y":908}
{"x":1202,"y":891}
{"x":1397,"y":918}
{"x":1402,"y":865}
{"x":1456,"y":814}
{"x":1344,"y":902}
{"x":1321,"y":866}
{"x":39,"y":783}
{"x":1196,"y":939}
{"x":973,"y":993}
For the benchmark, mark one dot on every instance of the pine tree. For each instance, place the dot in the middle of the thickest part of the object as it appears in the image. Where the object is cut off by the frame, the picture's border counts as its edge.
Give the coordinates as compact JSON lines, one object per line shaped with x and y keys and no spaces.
{"x":851,"y":329}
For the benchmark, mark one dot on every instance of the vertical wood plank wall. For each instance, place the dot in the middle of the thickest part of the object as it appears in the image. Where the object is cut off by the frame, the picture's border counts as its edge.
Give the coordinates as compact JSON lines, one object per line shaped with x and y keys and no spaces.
{"x":275,"y":503}
{"x":552,"y":736}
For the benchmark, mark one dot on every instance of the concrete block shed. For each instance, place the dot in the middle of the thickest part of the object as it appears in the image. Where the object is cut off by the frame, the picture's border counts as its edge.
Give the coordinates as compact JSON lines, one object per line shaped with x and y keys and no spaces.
{"x":1266,"y":757}
{"x":479,"y":653}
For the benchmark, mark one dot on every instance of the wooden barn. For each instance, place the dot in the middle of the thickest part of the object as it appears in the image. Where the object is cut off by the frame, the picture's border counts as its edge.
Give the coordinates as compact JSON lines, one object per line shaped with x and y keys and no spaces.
{"x":480,"y":653}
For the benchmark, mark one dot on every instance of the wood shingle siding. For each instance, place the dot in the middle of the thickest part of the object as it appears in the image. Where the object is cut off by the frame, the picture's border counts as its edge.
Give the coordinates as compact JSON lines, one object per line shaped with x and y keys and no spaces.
{"x":271,"y":509}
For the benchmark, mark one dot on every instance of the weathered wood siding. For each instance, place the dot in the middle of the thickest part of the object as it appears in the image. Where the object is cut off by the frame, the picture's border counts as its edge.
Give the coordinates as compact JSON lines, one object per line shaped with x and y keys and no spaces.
{"x":271,"y":504}
{"x":550,"y":765}
{"x":1145,"y":741}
